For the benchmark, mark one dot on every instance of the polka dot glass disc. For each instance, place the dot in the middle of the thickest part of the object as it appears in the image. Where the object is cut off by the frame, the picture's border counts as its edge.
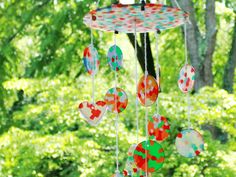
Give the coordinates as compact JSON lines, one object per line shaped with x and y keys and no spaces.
{"x":158,"y":128}
{"x":91,"y":61}
{"x":151,"y":90}
{"x":186,"y":78}
{"x":115,"y":58}
{"x":149,"y":156}
{"x":122,"y":18}
{"x":117,"y":96}
{"x":189,"y":143}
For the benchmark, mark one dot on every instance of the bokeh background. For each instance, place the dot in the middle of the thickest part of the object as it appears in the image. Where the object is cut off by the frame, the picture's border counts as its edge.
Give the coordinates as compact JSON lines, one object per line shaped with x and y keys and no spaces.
{"x":42,"y":81}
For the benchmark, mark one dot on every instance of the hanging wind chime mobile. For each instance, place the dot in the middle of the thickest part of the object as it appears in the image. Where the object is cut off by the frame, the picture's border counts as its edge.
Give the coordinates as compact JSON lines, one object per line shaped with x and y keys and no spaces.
{"x":147,"y":156}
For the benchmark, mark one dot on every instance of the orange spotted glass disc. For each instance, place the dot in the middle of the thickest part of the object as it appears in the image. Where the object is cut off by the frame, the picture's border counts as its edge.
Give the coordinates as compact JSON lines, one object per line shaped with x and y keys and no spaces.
{"x":116,"y":100}
{"x":151,"y":90}
{"x":158,"y":128}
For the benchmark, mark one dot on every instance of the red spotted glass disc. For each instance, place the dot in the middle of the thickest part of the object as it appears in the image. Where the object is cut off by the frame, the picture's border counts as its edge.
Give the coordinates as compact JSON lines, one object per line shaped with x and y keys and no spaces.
{"x":91,"y":60}
{"x":186,"y":78}
{"x":189,"y":143}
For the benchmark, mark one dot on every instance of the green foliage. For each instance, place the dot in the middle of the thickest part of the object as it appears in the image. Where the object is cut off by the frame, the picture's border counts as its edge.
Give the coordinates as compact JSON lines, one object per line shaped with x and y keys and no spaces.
{"x":49,"y":138}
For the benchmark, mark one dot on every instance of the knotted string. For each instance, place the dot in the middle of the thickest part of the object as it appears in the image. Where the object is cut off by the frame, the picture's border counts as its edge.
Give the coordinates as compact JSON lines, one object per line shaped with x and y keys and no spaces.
{"x":145,"y":97}
{"x":136,"y":83}
{"x":97,"y":4}
{"x":186,"y":63}
{"x":185,"y":43}
{"x":157,"y":72}
{"x":94,"y":61}
{"x":177,"y":4}
{"x":117,"y":114}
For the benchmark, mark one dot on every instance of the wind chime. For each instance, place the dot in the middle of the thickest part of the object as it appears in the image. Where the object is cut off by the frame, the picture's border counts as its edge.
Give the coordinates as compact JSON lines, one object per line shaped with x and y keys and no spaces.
{"x":147,"y":156}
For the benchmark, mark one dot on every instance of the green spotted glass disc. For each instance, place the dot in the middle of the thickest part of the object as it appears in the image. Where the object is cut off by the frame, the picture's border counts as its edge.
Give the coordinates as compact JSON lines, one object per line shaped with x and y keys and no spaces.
{"x":149,"y":156}
{"x":115,"y":58}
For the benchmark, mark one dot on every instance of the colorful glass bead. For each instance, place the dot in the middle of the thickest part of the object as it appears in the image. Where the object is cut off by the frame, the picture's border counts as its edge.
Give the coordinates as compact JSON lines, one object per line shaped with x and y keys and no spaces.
{"x":115,"y":58}
{"x":151,"y":90}
{"x":189,"y":143}
{"x":116,"y":100}
{"x":158,"y":128}
{"x":186,"y":78}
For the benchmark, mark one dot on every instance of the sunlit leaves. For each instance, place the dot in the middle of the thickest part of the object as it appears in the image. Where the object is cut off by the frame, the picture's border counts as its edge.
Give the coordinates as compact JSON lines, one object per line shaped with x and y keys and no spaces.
{"x":60,"y":141}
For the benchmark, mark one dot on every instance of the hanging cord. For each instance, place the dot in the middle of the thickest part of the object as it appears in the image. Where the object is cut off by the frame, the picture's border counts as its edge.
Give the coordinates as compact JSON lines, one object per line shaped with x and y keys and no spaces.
{"x":145,"y":97}
{"x":186,"y":63}
{"x":93,"y":86}
{"x":157,"y":72}
{"x":136,"y":82}
{"x":97,"y":4}
{"x":177,"y":4}
{"x":117,"y":115}
{"x":94,"y":62}
{"x":91,"y":30}
{"x":187,"y":19}
{"x":185,"y":43}
{"x":189,"y":110}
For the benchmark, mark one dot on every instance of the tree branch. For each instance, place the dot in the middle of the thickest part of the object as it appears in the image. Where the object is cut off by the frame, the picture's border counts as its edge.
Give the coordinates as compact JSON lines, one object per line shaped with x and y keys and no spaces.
{"x":139,"y":50}
{"x":27,"y":21}
{"x":150,"y":60}
{"x":229,"y":72}
{"x":211,"y":31}
{"x":210,"y":21}
{"x":140,"y":54}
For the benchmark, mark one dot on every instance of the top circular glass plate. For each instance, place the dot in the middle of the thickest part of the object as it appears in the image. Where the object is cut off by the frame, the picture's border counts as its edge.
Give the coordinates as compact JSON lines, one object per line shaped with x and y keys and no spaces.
{"x":124,"y":18}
